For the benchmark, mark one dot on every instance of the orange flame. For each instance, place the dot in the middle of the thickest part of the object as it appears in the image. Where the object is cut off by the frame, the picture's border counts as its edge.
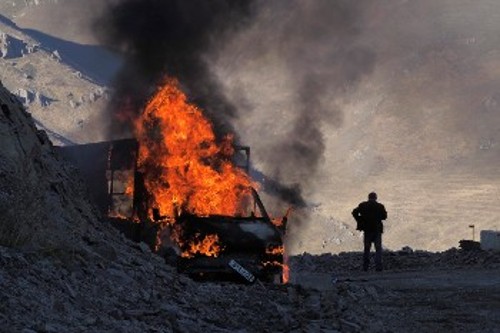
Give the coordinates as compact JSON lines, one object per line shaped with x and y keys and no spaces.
{"x":185,"y":166}
{"x":286,"y":273}
{"x":129,"y":189}
{"x":285,"y":269}
{"x":209,"y":247}
{"x":117,"y":215}
{"x":275,"y":250}
{"x":281,"y":221}
{"x":277,"y":221}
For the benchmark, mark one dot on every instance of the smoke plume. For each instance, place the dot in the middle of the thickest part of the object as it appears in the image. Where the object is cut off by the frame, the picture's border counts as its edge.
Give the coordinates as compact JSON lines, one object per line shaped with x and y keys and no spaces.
{"x":292,"y":67}
{"x":171,"y":38}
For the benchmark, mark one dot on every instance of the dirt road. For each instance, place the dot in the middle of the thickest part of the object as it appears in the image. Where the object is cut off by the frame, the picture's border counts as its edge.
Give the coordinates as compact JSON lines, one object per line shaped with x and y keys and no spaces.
{"x":451,"y":300}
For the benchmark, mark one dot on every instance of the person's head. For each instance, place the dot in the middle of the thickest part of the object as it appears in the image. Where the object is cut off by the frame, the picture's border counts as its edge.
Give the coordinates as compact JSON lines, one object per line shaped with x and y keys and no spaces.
{"x":372,"y":196}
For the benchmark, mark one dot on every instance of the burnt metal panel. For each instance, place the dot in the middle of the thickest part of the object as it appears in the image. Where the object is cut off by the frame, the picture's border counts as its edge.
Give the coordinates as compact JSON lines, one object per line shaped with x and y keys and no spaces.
{"x":237,"y":234}
{"x":96,"y":160}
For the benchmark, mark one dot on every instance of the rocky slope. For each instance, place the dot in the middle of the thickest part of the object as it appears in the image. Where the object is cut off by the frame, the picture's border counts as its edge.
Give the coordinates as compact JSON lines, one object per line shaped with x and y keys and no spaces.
{"x":43,"y":207}
{"x":61,"y":82}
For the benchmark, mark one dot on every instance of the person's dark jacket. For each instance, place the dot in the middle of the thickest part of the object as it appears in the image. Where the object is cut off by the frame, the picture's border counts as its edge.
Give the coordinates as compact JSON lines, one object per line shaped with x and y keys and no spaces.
{"x":369,"y":215}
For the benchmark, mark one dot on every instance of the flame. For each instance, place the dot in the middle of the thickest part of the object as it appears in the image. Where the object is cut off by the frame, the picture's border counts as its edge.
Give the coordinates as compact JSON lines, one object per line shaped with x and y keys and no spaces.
{"x":183,"y":164}
{"x":285,"y":269}
{"x":281,"y":222}
{"x":117,"y":215}
{"x":277,"y":221}
{"x":275,"y":250}
{"x":286,"y":273}
{"x":209,"y":247}
{"x":129,"y":189}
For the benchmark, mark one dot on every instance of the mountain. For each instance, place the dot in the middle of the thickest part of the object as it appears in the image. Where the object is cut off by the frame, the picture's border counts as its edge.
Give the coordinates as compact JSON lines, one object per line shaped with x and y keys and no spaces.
{"x":64,"y":83}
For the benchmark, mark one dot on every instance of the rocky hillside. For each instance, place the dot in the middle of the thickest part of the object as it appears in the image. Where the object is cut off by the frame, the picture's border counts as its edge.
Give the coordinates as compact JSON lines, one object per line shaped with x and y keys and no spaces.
{"x":61,"y":82}
{"x":43,"y":206}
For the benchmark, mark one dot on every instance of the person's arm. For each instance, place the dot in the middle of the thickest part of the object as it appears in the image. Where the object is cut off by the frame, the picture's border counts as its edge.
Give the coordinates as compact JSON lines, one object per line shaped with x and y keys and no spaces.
{"x":384,"y":213}
{"x":355,"y":212}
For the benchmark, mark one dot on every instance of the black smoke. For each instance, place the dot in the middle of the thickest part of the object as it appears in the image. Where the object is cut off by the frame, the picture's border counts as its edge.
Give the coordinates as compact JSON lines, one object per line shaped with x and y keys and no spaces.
{"x":321,"y":50}
{"x":314,"y":57}
{"x":160,"y":38}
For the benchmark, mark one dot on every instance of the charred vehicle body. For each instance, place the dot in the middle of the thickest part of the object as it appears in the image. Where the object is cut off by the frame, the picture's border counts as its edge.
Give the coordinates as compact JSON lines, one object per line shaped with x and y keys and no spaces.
{"x":202,"y":246}
{"x":254,"y":242}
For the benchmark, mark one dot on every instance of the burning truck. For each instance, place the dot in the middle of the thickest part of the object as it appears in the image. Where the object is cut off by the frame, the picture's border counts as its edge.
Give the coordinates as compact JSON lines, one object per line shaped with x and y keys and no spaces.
{"x":185,"y":194}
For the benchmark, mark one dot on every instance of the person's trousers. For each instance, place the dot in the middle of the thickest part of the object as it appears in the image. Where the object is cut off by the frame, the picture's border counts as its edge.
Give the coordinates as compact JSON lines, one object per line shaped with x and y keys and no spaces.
{"x":374,"y":237}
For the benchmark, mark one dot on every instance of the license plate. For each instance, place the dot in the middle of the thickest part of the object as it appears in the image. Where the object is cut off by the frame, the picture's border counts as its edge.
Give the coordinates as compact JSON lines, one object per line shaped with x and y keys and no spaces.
{"x":241,"y":270}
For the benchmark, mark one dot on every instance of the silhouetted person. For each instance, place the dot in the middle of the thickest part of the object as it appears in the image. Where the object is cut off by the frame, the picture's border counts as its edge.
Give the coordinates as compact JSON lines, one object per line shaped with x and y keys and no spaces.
{"x":369,"y":215}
